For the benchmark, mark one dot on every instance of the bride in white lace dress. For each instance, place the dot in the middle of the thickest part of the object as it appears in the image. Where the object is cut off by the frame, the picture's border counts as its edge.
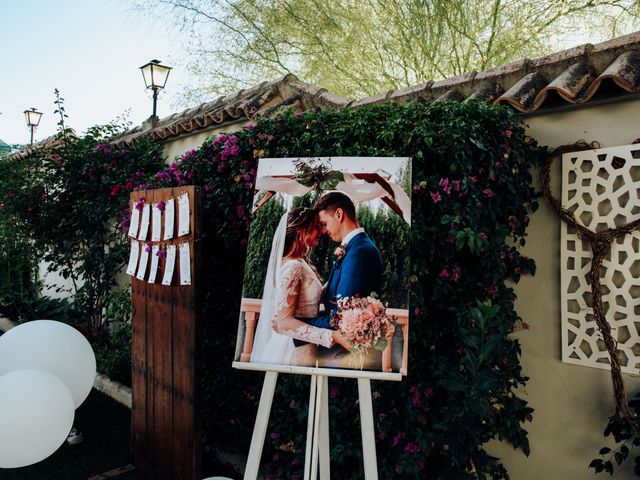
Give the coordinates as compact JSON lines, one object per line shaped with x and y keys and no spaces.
{"x":292,"y":291}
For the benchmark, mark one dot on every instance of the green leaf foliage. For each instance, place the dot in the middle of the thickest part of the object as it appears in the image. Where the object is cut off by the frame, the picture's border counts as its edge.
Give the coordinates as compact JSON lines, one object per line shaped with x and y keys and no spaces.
{"x":71,"y":201}
{"x":626,"y":435}
{"x":472,"y":196}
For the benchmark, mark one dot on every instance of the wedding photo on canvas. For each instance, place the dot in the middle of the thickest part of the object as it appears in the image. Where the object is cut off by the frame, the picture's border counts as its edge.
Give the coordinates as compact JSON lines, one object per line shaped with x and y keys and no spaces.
{"x":326,"y":276}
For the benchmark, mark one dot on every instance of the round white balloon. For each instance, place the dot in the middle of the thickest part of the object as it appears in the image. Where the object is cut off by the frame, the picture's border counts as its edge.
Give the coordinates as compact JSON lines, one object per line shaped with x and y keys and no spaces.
{"x":36,"y":415}
{"x":54,"y":347}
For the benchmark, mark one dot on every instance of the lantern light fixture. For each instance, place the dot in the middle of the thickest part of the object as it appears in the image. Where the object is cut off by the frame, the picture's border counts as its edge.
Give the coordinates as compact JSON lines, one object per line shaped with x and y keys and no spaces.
{"x":155,"y":77}
{"x":33,"y":120}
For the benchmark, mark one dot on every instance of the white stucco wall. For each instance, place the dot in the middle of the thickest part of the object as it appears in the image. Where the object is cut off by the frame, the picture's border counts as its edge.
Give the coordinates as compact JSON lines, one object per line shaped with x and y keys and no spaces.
{"x":53,"y":284}
{"x":177,"y":147}
{"x":572,"y":403}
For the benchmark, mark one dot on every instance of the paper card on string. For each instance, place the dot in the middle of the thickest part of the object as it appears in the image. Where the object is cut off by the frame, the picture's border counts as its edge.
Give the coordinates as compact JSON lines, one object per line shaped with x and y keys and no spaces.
{"x":144,"y":260}
{"x":156,"y":222}
{"x":185,"y":264}
{"x":154,"y":264}
{"x":183,"y":214}
{"x":133,"y":257}
{"x":135,"y":221}
{"x":169,"y":214}
{"x":144,"y":222}
{"x":169,"y":265}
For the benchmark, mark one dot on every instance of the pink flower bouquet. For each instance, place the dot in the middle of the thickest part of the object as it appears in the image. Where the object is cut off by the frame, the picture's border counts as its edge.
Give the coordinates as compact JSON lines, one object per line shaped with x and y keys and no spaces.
{"x":364,"y":323}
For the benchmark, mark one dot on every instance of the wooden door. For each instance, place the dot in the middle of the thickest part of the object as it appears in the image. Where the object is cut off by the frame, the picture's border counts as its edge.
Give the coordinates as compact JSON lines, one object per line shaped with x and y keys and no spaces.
{"x":165,"y":423}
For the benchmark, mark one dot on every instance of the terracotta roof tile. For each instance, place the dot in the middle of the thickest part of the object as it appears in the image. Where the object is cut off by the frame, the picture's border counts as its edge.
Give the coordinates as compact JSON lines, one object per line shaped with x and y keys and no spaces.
{"x":420,"y":91}
{"x":624,"y":72}
{"x":487,"y":92}
{"x":563,"y":58}
{"x":243,"y":105}
{"x":570,"y":85}
{"x":450,"y":96}
{"x":504,"y":75}
{"x":619,"y":43}
{"x":521,"y":95}
{"x":573,"y":76}
{"x":379,"y":98}
{"x":50,"y":142}
{"x":449,"y":83}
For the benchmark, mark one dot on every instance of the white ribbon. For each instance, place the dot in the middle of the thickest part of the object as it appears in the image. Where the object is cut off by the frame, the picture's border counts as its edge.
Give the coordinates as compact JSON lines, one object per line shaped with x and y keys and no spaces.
{"x":289,"y":186}
{"x":357,"y":189}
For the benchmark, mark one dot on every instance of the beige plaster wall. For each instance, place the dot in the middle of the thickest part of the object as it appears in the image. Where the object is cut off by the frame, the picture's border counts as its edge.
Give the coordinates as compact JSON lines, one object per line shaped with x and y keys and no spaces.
{"x":572,"y":403}
{"x":53,"y":284}
{"x":175,"y":148}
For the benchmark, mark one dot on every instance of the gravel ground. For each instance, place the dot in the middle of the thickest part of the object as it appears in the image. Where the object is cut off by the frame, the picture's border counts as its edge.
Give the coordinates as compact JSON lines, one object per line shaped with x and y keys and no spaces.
{"x":105,"y":426}
{"x":106,"y":429}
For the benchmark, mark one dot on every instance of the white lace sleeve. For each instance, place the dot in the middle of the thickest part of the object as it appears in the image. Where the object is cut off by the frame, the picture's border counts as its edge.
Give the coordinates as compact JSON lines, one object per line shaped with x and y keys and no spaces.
{"x":311,"y":334}
{"x":290,"y":282}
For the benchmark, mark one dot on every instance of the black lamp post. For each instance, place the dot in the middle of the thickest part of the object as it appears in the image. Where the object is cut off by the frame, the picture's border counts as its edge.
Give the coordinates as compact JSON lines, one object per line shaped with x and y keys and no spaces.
{"x":155,"y":77}
{"x":33,"y":119}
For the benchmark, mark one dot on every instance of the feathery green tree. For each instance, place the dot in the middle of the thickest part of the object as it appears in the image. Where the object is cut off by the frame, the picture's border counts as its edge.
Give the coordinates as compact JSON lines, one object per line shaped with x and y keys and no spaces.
{"x":358,"y":48}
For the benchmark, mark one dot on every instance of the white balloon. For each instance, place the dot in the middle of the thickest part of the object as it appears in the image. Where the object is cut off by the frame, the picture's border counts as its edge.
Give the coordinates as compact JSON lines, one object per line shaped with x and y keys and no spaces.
{"x":36,"y":415}
{"x":53,"y":347}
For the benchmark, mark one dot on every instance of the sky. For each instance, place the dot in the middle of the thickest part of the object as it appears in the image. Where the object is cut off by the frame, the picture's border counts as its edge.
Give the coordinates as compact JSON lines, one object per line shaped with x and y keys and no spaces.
{"x":91,"y":51}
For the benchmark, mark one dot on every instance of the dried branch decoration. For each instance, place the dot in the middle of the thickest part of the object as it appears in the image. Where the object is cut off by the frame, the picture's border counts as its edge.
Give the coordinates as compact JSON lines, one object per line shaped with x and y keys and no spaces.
{"x":600,"y":246}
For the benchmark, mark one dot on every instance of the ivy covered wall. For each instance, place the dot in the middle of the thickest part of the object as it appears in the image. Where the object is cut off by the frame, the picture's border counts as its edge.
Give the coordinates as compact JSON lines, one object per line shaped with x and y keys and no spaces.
{"x":472,"y":196}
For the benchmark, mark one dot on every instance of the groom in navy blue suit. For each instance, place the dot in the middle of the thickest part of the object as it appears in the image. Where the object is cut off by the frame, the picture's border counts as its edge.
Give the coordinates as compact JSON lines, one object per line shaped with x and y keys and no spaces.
{"x":358,"y":267}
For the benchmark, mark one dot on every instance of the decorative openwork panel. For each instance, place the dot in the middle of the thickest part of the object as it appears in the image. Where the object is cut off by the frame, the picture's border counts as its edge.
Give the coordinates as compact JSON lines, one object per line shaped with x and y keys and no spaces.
{"x":602,"y":189}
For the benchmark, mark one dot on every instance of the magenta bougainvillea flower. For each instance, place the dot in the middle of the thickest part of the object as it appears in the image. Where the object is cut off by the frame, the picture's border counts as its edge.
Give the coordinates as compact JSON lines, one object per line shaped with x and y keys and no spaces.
{"x":140,"y":204}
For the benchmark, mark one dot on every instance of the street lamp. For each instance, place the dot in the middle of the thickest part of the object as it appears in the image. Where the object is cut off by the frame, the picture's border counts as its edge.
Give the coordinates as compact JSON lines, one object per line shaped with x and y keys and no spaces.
{"x":33,"y":119}
{"x":155,"y":77}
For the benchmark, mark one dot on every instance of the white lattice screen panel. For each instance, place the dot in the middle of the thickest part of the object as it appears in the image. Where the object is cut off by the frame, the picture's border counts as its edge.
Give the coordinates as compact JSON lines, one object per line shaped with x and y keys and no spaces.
{"x":602,"y":188}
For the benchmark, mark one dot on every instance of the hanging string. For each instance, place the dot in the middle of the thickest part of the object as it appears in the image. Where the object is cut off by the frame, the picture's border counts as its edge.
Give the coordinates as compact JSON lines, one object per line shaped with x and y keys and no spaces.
{"x":600,"y":247}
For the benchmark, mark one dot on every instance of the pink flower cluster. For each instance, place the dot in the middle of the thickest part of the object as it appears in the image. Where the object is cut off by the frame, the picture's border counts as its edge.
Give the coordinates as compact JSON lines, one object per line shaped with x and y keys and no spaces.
{"x":454,"y":274}
{"x":140,"y":204}
{"x":446,"y":186}
{"x":227,"y":145}
{"x":173,"y":174}
{"x":363,"y":322}
{"x":508,"y":131}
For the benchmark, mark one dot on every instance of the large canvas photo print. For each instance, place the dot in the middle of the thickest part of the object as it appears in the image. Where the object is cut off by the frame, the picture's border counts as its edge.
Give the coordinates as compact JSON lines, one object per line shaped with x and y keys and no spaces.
{"x":326,"y":275}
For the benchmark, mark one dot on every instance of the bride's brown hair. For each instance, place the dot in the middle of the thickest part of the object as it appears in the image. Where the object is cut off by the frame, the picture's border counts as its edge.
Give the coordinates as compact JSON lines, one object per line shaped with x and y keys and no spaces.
{"x":298,"y":222}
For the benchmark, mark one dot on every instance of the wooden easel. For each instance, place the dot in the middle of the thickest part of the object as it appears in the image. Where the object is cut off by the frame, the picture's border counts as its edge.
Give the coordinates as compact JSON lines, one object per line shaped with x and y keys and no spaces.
{"x":317,"y":445}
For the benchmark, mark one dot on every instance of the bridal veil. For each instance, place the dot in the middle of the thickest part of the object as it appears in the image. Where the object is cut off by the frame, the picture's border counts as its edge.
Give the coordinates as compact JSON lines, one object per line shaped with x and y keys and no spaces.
{"x":269,"y":346}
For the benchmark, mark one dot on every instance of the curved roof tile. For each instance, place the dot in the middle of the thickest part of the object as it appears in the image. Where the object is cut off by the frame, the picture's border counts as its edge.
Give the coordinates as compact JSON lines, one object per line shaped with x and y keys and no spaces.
{"x":624,"y":71}
{"x":522,"y":94}
{"x":53,"y":141}
{"x":487,"y":92}
{"x":570,"y":85}
{"x":450,"y":96}
{"x":239,"y":106}
{"x":573,"y":76}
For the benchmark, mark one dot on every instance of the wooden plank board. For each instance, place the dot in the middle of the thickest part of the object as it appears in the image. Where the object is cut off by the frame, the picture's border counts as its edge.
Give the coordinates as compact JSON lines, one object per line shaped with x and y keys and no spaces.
{"x":165,"y":418}
{"x":152,"y":421}
{"x":160,"y":316}
{"x":139,"y":431}
{"x":186,"y":453}
{"x":196,"y":272}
